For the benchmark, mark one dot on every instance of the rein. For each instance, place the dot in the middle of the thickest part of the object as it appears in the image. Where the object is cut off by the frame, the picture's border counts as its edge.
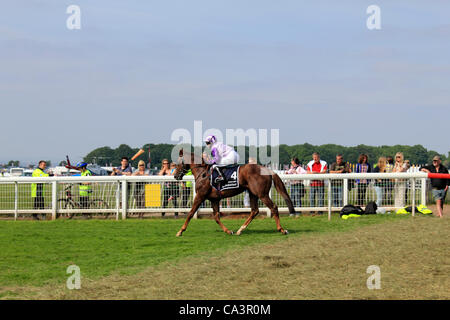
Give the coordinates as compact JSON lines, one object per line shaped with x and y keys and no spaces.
{"x":184,"y":171}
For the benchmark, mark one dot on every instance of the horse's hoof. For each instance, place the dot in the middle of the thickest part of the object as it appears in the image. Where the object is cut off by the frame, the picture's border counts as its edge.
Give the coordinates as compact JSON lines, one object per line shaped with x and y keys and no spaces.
{"x":286,"y":232}
{"x":232,"y":233}
{"x":179,"y":234}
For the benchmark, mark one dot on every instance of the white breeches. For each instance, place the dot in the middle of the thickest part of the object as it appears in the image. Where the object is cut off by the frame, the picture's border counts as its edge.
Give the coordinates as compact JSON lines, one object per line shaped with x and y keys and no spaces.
{"x":231,"y":158}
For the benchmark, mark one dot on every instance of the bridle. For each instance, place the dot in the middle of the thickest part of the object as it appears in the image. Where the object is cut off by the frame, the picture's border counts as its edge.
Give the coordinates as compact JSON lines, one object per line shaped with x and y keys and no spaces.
{"x":184,"y":170}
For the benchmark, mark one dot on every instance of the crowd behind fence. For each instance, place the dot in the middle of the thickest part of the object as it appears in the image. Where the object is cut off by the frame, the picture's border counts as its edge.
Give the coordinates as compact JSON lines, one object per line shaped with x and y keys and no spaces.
{"x":139,"y":196}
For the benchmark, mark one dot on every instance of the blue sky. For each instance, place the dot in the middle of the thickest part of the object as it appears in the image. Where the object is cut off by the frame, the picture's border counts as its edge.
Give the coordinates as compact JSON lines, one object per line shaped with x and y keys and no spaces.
{"x":137,"y":70}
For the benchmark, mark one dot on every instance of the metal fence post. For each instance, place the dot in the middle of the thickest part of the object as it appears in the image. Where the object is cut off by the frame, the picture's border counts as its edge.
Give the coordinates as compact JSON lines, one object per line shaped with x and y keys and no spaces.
{"x":345,"y":193}
{"x":54,"y":199}
{"x":124,"y":199}
{"x":423,"y":191}
{"x":329,"y":199}
{"x":118,"y":200}
{"x":16,"y":199}
{"x":413,"y":187}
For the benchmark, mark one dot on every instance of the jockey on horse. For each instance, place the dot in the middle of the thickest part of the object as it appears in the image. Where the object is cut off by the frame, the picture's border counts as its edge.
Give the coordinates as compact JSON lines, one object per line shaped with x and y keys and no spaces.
{"x":222,"y":155}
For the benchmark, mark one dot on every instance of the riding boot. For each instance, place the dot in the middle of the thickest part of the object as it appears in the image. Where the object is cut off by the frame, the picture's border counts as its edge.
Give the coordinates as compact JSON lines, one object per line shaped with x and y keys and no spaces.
{"x":220,"y":178}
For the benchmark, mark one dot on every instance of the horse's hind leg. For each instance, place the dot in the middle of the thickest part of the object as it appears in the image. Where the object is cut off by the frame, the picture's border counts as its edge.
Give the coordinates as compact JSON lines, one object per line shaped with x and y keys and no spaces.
{"x":253,"y":213}
{"x":197,"y":202}
{"x":216,"y":213}
{"x":274,"y":209}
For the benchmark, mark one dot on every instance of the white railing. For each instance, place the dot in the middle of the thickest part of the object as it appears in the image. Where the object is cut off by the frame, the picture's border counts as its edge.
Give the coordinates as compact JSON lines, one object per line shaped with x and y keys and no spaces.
{"x":125,"y":196}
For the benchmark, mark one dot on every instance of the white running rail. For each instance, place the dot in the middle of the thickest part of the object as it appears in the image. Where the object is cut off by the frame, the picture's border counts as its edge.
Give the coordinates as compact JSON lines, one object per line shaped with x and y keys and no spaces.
{"x":126,"y":196}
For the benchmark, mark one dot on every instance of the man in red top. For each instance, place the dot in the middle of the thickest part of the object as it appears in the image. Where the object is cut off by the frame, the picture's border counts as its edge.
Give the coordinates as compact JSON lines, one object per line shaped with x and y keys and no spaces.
{"x":317,"y":189}
{"x":440,"y":186}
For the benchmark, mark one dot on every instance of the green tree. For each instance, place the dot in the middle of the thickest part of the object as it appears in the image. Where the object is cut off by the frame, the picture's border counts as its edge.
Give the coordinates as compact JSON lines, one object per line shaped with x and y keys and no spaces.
{"x":13,"y":163}
{"x":417,"y":154}
{"x":102,"y":156}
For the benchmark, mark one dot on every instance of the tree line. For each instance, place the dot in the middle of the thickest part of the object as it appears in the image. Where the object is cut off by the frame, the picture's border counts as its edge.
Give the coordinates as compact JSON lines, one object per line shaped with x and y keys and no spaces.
{"x":416,"y":154}
{"x":16,"y":163}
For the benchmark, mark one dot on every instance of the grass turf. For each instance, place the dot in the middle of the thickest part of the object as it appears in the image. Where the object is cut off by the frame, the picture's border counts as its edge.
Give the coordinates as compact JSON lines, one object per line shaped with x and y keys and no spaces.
{"x":38,"y":253}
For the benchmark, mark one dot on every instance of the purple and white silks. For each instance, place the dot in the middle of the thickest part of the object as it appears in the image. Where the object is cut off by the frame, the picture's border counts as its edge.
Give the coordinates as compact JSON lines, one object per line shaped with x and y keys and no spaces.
{"x":223,"y":154}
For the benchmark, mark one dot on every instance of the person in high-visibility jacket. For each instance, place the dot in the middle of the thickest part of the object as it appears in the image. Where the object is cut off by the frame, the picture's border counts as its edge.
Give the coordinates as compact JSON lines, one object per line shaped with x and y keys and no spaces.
{"x":186,"y":190}
{"x":85,"y":187}
{"x":37,"y":189}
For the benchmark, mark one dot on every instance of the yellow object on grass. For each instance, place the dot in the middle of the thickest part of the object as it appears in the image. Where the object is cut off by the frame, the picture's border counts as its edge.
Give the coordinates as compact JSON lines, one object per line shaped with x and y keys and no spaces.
{"x":351,"y":215}
{"x":421,"y":209}
{"x":402,"y":211}
{"x":424,"y":210}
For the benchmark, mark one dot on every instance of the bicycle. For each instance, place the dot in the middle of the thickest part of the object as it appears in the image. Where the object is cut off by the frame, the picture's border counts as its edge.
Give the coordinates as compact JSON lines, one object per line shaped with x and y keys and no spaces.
{"x":69,"y":203}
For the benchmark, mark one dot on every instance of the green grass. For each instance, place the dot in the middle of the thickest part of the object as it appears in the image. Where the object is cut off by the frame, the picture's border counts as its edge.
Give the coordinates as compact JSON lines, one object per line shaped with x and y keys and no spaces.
{"x":38,"y":253}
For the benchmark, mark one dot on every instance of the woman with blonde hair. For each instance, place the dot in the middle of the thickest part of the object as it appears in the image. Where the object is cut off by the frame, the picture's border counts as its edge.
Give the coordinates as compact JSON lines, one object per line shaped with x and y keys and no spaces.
{"x":400,"y":184}
{"x":380,"y":183}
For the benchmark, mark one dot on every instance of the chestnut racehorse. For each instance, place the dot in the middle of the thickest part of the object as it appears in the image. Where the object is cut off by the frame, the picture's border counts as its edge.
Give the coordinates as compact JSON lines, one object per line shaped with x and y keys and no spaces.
{"x":252,"y":177}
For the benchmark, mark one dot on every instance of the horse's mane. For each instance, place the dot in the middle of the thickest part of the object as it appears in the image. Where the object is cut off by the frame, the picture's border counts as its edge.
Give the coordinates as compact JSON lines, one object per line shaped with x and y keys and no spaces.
{"x":192,"y":158}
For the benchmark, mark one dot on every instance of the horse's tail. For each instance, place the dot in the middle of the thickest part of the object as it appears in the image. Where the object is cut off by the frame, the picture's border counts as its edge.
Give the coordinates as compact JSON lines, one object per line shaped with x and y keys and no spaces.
{"x":279,"y":185}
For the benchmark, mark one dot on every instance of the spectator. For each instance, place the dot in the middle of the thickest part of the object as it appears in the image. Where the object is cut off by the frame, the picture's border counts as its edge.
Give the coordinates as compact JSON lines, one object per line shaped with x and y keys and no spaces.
{"x":389,"y":184}
{"x":399,"y":184}
{"x":297,"y":189}
{"x":389,"y":164}
{"x":408,"y":165}
{"x":174,"y":187}
{"x":317,"y":187}
{"x":139,"y":188}
{"x":440,"y":186}
{"x":124,"y":168}
{"x":363,"y":166}
{"x":85,"y":189}
{"x":166,"y":171}
{"x":336,"y":185}
{"x":380,"y":184}
{"x":37,"y":189}
{"x":173,"y":167}
{"x":186,"y":190}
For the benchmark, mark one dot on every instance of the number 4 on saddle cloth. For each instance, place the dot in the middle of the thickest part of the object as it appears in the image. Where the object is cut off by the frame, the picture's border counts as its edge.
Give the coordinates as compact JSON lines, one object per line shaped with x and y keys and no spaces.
{"x":230,"y":174}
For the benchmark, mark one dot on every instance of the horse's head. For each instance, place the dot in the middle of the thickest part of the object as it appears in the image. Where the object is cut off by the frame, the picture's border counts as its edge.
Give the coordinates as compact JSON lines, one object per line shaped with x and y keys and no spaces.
{"x":181,"y":168}
{"x":186,"y":162}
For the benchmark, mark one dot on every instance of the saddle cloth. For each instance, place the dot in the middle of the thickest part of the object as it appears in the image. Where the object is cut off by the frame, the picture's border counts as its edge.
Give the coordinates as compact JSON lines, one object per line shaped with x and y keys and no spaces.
{"x":231,"y":175}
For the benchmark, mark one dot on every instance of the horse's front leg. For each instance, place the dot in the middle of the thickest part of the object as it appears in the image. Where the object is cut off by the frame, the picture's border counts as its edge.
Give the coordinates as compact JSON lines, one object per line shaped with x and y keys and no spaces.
{"x":216,"y":213}
{"x":197,"y":202}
